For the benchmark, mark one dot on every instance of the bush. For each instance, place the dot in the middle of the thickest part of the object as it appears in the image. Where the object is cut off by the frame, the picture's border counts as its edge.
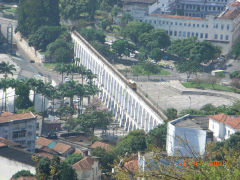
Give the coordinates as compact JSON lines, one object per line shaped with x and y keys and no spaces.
{"x":235,"y":74}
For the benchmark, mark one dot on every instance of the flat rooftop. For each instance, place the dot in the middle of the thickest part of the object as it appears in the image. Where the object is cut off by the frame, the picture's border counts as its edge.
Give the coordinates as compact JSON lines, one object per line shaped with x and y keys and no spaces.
{"x":195,"y":122}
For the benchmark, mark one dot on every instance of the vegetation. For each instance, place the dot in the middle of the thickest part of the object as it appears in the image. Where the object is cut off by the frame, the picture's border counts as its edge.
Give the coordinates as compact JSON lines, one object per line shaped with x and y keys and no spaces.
{"x":34,"y":14}
{"x":93,"y":35}
{"x":171,"y":113}
{"x":122,"y":47}
{"x":235,"y":74}
{"x":22,"y":173}
{"x":73,"y":158}
{"x":236,"y":49}
{"x":148,"y":68}
{"x":205,"y":85}
{"x":157,"y":137}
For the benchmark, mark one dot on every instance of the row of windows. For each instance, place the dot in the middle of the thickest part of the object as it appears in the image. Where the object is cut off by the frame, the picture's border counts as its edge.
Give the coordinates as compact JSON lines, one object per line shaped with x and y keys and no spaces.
{"x":187,"y":24}
{"x":206,"y":8}
{"x":192,"y":34}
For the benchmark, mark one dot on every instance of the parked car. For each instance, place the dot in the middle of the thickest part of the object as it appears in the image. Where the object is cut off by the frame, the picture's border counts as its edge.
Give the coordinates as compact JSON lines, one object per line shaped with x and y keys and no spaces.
{"x":32,"y":61}
{"x":66,"y":79}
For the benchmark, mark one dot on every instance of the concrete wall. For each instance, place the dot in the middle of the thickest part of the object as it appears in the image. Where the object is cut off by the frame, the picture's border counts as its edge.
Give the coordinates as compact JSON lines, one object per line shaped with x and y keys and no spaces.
{"x":23,"y":44}
{"x":229,"y":131}
{"x":10,"y":167}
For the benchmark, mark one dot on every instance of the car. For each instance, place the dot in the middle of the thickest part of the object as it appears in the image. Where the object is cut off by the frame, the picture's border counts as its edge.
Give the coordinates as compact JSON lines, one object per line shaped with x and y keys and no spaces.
{"x":132,"y":55}
{"x":66,"y":102}
{"x":67,"y":79}
{"x":76,"y":100}
{"x":32,"y":61}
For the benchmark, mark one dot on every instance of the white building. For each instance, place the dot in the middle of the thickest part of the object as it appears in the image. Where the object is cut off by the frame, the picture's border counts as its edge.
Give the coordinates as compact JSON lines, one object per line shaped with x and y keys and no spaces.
{"x":223,"y":126}
{"x":14,"y":159}
{"x":222,"y":30}
{"x":188,"y":135}
{"x":19,"y":128}
{"x":88,"y":169}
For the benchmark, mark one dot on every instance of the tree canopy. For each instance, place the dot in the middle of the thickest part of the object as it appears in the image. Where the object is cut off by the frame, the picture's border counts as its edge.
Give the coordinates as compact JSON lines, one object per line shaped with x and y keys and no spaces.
{"x":32,"y":14}
{"x":121,"y":47}
{"x":93,"y":34}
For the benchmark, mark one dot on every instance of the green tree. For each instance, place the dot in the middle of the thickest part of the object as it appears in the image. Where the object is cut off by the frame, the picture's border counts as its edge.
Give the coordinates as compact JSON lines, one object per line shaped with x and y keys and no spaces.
{"x":22,"y":173}
{"x":67,"y":172}
{"x":71,"y":9}
{"x":189,"y":67}
{"x":22,"y":91}
{"x":93,"y":34}
{"x":156,"y":54}
{"x":106,"y":159}
{"x":73,"y":158}
{"x":6,"y":68}
{"x":60,"y":51}
{"x":91,"y":8}
{"x":134,"y":29}
{"x":33,"y":14}
{"x":171,"y":113}
{"x":157,"y":137}
{"x":61,"y":69}
{"x":135,"y":141}
{"x":125,"y":19}
{"x":43,"y":169}
{"x":236,"y":49}
{"x":44,"y":36}
{"x":122,"y":47}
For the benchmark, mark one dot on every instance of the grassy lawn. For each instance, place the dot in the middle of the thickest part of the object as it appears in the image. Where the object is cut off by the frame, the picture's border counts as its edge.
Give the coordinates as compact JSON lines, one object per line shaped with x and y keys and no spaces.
{"x":11,"y":10}
{"x":49,"y":65}
{"x":139,"y":70}
{"x":204,"y":85}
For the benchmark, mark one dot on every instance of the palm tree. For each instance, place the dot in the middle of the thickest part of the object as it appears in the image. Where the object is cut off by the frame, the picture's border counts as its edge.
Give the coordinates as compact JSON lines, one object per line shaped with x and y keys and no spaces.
{"x":5,"y":84}
{"x":60,"y":68}
{"x":81,"y":70}
{"x":71,"y":69}
{"x":91,"y":90}
{"x":80,"y":91}
{"x":6,"y":68}
{"x":90,"y":76}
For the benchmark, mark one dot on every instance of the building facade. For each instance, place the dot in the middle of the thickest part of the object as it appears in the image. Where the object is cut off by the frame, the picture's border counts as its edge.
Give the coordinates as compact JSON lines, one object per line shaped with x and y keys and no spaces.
{"x":222,"y":29}
{"x":187,"y":136}
{"x":19,"y":128}
{"x":223,"y":126}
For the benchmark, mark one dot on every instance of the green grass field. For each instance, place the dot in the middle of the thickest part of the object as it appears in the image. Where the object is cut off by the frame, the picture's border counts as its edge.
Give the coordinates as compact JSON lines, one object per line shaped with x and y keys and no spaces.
{"x":203,"y":85}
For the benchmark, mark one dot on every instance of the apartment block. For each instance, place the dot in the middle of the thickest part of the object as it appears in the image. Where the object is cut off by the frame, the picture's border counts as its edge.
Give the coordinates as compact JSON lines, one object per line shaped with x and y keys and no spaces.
{"x":19,"y":128}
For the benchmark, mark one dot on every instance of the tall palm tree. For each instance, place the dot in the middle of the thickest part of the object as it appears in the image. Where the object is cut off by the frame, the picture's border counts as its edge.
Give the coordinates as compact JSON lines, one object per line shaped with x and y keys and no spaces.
{"x":6,"y":68}
{"x":80,"y":91}
{"x":91,"y":90}
{"x":90,"y":76}
{"x":81,"y":70}
{"x":61,"y":68}
{"x":71,"y":69}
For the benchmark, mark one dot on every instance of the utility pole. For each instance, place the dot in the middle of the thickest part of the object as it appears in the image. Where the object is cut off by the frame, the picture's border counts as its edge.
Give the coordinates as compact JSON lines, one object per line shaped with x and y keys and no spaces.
{"x":10,"y":35}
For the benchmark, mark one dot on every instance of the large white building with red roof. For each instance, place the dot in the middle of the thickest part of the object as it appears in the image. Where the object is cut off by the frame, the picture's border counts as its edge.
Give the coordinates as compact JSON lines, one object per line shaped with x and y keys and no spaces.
{"x":223,"y":126}
{"x":222,"y":29}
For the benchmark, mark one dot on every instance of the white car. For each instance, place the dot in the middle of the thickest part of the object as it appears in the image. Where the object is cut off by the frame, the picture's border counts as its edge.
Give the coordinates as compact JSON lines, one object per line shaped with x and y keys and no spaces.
{"x":132,"y":55}
{"x":66,"y":79}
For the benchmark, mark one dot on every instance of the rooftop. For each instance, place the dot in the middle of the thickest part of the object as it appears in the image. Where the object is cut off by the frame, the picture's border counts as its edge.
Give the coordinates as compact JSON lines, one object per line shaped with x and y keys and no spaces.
{"x":195,"y":122}
{"x":61,"y":148}
{"x":7,"y":116}
{"x":43,"y":141}
{"x":176,"y":17}
{"x":140,"y":1}
{"x":232,"y":121}
{"x":84,"y":164}
{"x":25,"y":178}
{"x":102,"y":145}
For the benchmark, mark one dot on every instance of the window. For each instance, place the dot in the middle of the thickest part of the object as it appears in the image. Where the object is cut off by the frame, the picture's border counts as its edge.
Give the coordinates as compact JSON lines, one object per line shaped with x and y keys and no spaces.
{"x":202,"y":25}
{"x":184,"y":34}
{"x":163,"y":22}
{"x":180,"y":24}
{"x":185,"y":24}
{"x":222,"y":26}
{"x":175,"y":23}
{"x":18,"y":134}
{"x":206,"y":35}
{"x":226,"y":37}
{"x":192,"y":34}
{"x":189,"y":24}
{"x":215,"y":36}
{"x":170,"y":33}
{"x":206,"y":26}
{"x":179,"y":33}
{"x":227,"y":26}
{"x":197,"y":25}
{"x":188,"y":34}
{"x":221,"y":37}
{"x":193,"y":25}
{"x":154,"y":22}
{"x":175,"y":33}
{"x":201,"y":35}
{"x":196,"y":34}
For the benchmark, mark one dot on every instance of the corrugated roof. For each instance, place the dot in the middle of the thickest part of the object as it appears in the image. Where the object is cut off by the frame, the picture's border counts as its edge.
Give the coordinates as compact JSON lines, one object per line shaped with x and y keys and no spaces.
{"x":6,"y":116}
{"x":84,"y":164}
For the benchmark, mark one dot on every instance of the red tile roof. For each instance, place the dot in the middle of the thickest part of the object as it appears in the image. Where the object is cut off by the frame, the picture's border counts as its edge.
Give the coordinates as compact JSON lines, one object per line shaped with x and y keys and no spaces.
{"x":6,"y":116}
{"x":77,"y":151}
{"x":234,"y":4}
{"x":177,"y":17}
{"x":7,"y":142}
{"x":61,"y":148}
{"x":84,"y":164}
{"x":44,"y":154}
{"x":2,"y":144}
{"x":231,"y":14}
{"x":102,"y":145}
{"x":132,"y":164}
{"x":43,"y":141}
{"x":228,"y":120}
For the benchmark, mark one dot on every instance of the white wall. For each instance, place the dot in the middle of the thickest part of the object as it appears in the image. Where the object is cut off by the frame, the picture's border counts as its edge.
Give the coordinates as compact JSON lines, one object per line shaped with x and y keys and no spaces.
{"x":10,"y":167}
{"x":217,"y":128}
{"x":229,"y":131}
{"x":185,"y":141}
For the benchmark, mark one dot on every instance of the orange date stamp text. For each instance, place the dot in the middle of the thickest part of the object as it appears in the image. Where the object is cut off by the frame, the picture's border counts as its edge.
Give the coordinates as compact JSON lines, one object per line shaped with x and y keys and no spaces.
{"x":201,"y":163}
